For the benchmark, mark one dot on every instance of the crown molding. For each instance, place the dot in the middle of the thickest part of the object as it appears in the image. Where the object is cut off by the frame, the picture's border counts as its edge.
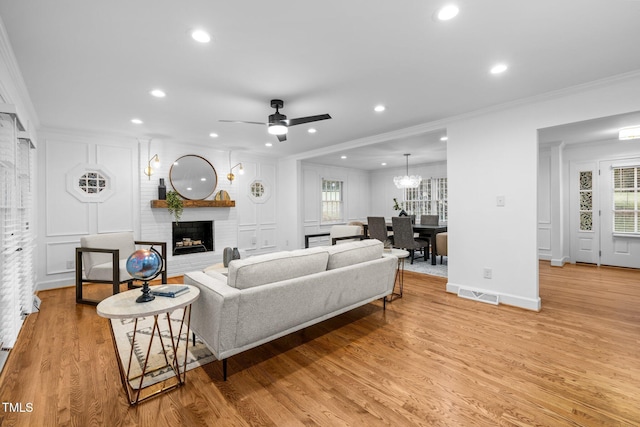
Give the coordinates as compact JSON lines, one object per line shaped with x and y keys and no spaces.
{"x":442,"y":123}
{"x":19,"y":96}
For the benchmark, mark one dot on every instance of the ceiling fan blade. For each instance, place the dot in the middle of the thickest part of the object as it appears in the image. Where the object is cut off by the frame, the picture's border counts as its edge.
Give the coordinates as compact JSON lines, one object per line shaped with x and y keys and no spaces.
{"x":242,"y":121}
{"x":309,"y":119}
{"x":282,"y":138}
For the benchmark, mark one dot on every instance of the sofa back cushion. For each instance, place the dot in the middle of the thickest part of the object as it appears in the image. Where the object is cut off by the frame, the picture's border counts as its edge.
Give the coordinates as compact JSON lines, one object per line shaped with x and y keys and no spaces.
{"x":275,"y":267}
{"x":354,"y":253}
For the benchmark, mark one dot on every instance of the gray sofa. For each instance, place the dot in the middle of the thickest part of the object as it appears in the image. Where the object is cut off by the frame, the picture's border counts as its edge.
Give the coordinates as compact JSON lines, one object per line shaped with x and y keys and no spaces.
{"x":268,"y":296}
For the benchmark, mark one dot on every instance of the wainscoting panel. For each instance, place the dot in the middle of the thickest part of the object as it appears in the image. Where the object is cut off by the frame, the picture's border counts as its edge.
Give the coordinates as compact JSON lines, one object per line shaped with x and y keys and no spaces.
{"x":61,"y":256}
{"x":117,"y":212}
{"x":62,"y":157}
{"x":267,"y":237}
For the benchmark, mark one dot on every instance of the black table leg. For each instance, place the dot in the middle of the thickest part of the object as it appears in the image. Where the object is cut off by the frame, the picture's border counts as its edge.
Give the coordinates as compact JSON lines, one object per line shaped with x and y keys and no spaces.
{"x":433,"y":249}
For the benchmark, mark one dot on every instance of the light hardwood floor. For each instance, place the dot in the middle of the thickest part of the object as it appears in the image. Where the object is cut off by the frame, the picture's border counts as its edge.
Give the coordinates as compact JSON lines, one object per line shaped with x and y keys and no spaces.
{"x":430,"y":359}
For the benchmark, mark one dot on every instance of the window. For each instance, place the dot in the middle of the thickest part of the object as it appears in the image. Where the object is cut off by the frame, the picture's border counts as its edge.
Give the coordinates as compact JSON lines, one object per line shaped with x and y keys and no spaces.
{"x":430,"y":198}
{"x":92,"y":182}
{"x":626,"y":183}
{"x":331,"y":201}
{"x":586,"y":201}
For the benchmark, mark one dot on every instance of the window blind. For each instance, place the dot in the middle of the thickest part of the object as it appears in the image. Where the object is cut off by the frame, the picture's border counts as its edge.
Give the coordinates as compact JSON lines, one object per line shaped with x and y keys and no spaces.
{"x":17,"y":280}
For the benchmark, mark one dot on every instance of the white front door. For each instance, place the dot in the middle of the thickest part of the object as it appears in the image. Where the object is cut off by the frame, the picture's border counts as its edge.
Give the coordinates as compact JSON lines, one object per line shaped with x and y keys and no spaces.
{"x":584,"y":220}
{"x":620,"y":219}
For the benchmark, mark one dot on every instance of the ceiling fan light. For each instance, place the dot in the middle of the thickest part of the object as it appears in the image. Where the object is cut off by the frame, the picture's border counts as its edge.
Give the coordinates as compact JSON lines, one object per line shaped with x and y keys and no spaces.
{"x":277,"y":129}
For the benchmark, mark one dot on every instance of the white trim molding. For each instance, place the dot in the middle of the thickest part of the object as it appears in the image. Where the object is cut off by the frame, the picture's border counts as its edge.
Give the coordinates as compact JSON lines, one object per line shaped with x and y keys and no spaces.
{"x":534,"y":304}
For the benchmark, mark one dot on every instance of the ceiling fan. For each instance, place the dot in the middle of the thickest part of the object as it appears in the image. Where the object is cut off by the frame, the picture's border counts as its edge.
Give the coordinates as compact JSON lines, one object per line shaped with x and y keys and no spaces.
{"x":279,"y":124}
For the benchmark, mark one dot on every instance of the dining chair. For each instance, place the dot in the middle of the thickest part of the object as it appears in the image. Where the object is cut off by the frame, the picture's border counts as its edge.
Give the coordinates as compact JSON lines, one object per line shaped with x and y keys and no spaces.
{"x":403,"y":237}
{"x":378,"y":230}
{"x":429,"y":220}
{"x":442,"y":245}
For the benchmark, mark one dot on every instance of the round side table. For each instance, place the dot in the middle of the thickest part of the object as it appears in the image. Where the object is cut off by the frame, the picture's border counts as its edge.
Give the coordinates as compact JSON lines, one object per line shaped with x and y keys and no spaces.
{"x":401,"y":254}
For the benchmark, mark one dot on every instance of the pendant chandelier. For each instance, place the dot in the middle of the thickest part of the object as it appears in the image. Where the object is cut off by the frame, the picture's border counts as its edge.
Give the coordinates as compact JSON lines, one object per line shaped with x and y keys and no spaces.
{"x":407,"y":181}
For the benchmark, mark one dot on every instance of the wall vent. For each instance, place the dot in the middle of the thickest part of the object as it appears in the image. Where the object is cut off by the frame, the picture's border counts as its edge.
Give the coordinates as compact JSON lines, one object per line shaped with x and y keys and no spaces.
{"x":479,"y":296}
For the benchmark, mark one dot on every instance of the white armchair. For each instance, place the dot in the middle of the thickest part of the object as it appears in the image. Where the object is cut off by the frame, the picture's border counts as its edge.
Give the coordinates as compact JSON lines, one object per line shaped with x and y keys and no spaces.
{"x":345,"y":233}
{"x":102,"y":258}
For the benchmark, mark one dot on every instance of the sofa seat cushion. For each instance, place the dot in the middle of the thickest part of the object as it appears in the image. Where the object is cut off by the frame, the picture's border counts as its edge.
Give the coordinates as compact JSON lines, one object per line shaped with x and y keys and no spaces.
{"x":275,"y":267}
{"x":354,"y":253}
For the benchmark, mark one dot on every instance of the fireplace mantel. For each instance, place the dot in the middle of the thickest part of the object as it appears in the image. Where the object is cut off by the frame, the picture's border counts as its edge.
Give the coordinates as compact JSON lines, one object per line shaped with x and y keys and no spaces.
{"x":197,"y":204}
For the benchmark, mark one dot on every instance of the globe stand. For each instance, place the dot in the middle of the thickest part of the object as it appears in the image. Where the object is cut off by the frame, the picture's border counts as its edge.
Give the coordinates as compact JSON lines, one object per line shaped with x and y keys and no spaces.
{"x":145,"y":265}
{"x":146,"y":295}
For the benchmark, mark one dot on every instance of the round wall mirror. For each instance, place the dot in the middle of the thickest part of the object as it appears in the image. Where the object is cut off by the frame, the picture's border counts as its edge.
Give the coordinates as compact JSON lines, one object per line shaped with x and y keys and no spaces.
{"x":193,"y":177}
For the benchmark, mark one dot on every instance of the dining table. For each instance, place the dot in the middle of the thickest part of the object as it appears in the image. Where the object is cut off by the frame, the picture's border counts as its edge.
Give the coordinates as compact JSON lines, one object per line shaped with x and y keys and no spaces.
{"x":424,"y":231}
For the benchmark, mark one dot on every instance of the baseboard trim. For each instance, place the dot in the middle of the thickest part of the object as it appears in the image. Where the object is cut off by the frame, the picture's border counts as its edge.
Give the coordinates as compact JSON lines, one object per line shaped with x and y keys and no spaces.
{"x":507,"y":299}
{"x":559,"y":262}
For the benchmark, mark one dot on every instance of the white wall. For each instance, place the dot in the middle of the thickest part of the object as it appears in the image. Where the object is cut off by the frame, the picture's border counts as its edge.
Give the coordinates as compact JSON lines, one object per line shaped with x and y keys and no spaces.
{"x":289,"y":199}
{"x":64,"y":219}
{"x":496,"y":154}
{"x":551,"y":208}
{"x":356,"y":193}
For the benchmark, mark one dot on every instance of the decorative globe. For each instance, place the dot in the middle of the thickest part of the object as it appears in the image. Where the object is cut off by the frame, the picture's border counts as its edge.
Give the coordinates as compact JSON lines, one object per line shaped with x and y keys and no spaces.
{"x":144,"y":264}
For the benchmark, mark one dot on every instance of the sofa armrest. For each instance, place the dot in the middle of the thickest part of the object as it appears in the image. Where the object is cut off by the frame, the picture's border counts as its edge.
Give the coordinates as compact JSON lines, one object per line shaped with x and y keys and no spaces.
{"x":214,"y":316}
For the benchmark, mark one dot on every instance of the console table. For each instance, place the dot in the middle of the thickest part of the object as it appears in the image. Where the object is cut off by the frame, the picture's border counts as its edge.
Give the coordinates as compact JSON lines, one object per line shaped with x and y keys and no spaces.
{"x":124,"y":306}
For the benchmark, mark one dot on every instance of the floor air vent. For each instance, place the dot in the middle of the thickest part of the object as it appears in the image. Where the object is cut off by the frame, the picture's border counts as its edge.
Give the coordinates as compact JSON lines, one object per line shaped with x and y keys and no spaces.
{"x":478,"y":296}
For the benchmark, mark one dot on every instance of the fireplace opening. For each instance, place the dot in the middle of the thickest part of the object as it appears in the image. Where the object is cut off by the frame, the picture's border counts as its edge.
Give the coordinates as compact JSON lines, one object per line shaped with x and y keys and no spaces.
{"x":192,"y":236}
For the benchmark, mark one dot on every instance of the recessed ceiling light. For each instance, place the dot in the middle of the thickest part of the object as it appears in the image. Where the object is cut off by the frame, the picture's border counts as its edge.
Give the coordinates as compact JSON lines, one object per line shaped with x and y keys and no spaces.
{"x":201,"y":36}
{"x":268,"y":144}
{"x":213,"y":135}
{"x":343,"y":157}
{"x":447,"y":12}
{"x":158,"y":93}
{"x":444,"y":138}
{"x":383,"y":164}
{"x":136,"y":121}
{"x":631,"y":132}
{"x":499,"y":68}
{"x":379,"y":108}
{"x":312,"y":130}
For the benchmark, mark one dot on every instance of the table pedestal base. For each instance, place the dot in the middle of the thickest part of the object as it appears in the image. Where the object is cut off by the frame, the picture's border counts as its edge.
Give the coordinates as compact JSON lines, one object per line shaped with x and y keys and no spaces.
{"x":399,"y":281}
{"x":141,"y":392}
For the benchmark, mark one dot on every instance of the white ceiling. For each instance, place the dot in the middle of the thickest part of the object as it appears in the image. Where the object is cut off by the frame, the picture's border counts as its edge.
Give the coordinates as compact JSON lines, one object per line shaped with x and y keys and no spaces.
{"x":90,"y":65}
{"x":602,"y":129}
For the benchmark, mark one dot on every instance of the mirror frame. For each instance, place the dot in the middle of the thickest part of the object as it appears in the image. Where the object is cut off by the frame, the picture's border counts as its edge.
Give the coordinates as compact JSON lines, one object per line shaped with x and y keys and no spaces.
{"x":183,"y":190}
